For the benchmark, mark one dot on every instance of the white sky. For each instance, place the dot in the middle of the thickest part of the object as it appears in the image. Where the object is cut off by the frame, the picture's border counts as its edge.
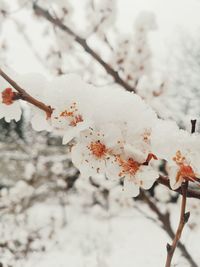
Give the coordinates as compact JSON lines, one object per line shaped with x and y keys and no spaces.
{"x":172,"y":16}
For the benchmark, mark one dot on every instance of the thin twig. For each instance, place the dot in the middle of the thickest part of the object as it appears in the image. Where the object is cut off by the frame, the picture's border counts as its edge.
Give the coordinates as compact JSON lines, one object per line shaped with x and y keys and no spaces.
{"x":164,"y":218}
{"x":183,"y":220}
{"x":83,"y":43}
{"x":26,"y":97}
{"x":184,"y":216}
{"x":22,"y":94}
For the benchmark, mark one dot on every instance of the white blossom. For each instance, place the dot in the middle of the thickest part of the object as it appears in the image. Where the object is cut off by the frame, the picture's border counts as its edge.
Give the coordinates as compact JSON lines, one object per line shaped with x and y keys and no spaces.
{"x":180,"y":149}
{"x":95,"y":147}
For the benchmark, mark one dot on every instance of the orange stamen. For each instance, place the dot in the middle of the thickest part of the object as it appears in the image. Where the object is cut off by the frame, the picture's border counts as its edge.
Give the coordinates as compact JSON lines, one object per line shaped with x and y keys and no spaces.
{"x":129,"y":166}
{"x":66,"y":113}
{"x":98,"y":149}
{"x":76,"y":120}
{"x":185,"y":172}
{"x":8,"y":96}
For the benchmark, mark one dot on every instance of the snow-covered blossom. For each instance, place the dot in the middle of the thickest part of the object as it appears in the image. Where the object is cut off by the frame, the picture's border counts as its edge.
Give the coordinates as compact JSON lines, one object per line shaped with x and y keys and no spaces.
{"x":70,"y":106}
{"x":95,"y":147}
{"x":106,"y":140}
{"x":133,"y":57}
{"x":114,"y":132}
{"x":134,"y":166}
{"x":70,"y":121}
{"x":181,"y":151}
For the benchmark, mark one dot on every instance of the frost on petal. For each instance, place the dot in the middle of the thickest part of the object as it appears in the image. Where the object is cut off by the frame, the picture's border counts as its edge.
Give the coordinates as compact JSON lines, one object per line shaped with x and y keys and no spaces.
{"x":131,"y":189}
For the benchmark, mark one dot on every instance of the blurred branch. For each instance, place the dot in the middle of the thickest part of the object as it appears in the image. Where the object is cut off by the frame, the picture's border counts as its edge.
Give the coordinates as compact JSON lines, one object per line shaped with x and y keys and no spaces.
{"x":183,"y":220}
{"x":28,"y":41}
{"x":164,"y":218}
{"x":191,"y":193}
{"x":83,"y":43}
{"x":22,"y":94}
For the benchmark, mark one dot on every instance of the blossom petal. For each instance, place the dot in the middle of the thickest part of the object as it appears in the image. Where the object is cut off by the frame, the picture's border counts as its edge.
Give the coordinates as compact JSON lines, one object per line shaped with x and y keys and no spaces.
{"x":172,"y":171}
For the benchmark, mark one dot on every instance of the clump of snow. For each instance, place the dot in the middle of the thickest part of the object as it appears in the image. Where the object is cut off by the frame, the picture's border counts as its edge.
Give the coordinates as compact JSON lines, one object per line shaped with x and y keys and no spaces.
{"x":113,"y":132}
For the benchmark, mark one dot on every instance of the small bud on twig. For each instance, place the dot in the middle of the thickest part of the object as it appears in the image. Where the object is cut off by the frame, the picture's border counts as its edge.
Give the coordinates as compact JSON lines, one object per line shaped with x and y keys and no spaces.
{"x":168,"y":247}
{"x":186,"y":217}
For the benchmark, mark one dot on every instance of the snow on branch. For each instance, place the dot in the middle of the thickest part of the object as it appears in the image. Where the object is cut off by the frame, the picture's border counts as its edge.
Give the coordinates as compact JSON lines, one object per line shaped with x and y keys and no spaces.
{"x":22,"y":94}
{"x":113,"y":132}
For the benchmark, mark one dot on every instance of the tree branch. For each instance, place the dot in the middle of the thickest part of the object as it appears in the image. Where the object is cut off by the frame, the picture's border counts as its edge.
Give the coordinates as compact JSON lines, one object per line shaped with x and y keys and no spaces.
{"x":183,"y":220}
{"x":184,"y":217}
{"x":26,"y":97}
{"x":191,"y":193}
{"x":166,"y":225}
{"x":22,"y":94}
{"x":83,"y":43}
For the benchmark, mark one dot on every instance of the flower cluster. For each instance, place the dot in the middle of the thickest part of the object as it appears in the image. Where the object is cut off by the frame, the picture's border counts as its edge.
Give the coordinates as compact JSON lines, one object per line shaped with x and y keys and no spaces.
{"x":111,"y":131}
{"x":133,"y":57}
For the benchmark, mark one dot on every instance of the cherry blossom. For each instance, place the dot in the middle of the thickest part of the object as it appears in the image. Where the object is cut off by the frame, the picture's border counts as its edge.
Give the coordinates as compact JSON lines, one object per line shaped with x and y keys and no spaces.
{"x":113,"y":132}
{"x":71,"y":110}
{"x":70,"y":121}
{"x":95,"y":148}
{"x":181,"y":151}
{"x":135,"y":167}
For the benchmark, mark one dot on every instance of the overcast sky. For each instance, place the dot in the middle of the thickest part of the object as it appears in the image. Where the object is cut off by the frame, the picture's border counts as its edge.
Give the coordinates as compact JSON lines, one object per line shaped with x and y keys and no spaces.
{"x":172,"y":16}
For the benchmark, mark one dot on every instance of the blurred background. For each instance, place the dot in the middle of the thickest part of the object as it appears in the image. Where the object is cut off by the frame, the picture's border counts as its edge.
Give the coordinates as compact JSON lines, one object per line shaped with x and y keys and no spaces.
{"x":48,"y":215}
